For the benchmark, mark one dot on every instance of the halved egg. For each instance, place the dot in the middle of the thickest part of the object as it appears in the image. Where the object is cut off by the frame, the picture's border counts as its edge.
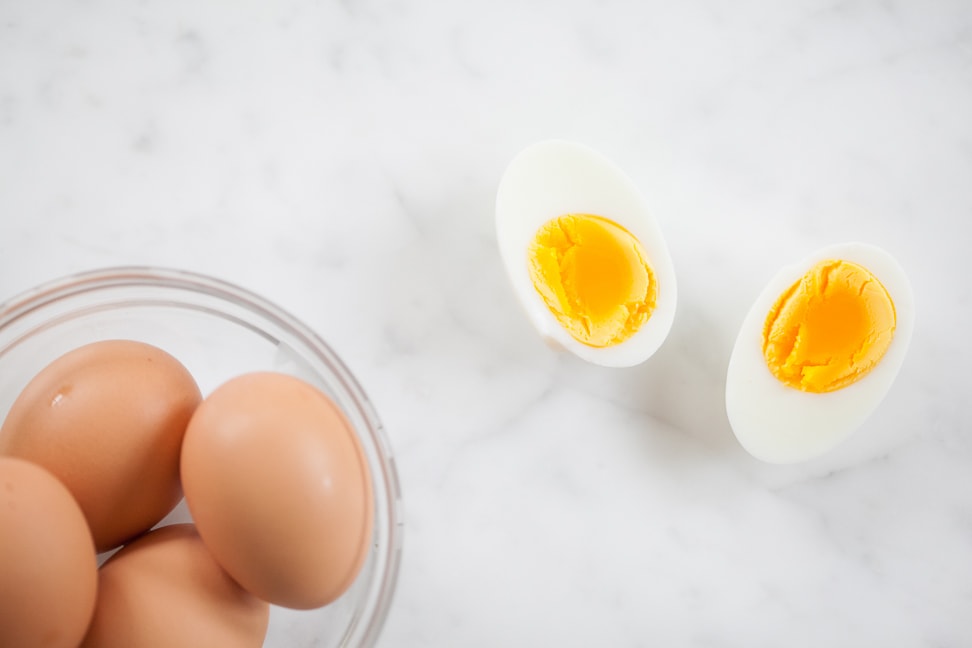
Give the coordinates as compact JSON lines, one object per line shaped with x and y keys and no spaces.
{"x":586,"y":258}
{"x":818,"y":351}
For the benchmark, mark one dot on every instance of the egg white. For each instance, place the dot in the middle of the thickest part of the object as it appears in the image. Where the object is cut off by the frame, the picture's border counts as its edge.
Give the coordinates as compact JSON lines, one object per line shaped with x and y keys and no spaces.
{"x":780,"y":424}
{"x":554,"y":178}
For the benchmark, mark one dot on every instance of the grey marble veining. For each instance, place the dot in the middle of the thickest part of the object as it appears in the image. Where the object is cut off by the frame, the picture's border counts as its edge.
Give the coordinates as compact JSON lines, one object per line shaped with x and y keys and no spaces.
{"x":342,"y":158}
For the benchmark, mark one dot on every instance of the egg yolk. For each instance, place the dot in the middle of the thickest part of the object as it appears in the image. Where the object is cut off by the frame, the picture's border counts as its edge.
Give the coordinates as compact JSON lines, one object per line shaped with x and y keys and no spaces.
{"x":829,"y":328}
{"x":594,"y":277}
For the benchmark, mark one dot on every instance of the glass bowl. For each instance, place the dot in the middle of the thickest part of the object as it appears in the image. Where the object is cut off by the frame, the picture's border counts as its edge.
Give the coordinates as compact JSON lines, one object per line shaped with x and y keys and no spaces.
{"x":218,"y":331}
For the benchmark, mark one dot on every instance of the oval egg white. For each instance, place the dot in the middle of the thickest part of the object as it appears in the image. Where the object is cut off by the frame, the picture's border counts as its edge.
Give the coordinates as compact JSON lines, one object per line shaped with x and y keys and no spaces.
{"x":780,"y":424}
{"x":553,"y":178}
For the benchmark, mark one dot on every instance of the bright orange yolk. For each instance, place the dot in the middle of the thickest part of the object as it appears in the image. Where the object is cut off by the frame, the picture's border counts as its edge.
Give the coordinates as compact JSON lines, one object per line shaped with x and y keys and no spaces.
{"x":594,"y":277}
{"x":829,"y":328}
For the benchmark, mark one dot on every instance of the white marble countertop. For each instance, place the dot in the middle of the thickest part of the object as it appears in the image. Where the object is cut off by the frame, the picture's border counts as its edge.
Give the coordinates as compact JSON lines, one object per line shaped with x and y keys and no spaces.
{"x":342,"y":159}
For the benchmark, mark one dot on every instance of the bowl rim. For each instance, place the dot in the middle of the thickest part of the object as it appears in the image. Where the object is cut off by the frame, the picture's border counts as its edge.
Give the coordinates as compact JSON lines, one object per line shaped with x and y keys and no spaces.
{"x":22,"y":305}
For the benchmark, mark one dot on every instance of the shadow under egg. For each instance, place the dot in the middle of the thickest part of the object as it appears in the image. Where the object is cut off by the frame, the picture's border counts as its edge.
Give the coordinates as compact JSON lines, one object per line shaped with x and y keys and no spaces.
{"x":682,"y":385}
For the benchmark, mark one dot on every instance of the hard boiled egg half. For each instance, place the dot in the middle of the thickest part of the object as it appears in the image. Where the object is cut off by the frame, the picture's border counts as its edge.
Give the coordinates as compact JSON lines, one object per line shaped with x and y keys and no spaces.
{"x":818,"y":351}
{"x":585,"y":256}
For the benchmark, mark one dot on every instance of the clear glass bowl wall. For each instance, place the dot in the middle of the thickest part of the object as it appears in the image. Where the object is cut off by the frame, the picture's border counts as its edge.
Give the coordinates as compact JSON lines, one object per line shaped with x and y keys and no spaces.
{"x":218,"y":331}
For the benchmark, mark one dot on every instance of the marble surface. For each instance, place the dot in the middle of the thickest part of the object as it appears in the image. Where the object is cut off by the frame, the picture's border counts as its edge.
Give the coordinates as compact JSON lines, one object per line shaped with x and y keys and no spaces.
{"x":342,"y":159}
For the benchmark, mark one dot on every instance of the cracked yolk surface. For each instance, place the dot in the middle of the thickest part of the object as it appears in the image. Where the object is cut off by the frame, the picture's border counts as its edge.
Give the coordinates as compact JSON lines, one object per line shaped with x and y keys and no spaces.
{"x":829,"y":328}
{"x":594,"y":277}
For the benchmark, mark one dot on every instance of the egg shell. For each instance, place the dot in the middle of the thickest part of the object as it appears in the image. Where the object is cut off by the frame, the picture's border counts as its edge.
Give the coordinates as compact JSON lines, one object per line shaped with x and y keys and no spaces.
{"x":48,"y":568}
{"x":279,"y":488}
{"x":107,"y":420}
{"x":554,"y":178}
{"x":164,"y":589}
{"x":780,"y":424}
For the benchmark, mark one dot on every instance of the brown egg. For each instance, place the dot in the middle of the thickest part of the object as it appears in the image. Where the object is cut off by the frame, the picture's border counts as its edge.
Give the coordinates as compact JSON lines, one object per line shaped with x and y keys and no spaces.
{"x":279,"y":488}
{"x":107,"y":419}
{"x":165,"y":590}
{"x":48,"y":567}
